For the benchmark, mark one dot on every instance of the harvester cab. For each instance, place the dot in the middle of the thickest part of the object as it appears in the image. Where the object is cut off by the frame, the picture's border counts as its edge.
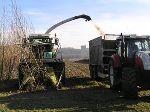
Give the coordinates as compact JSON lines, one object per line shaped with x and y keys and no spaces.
{"x":43,"y":46}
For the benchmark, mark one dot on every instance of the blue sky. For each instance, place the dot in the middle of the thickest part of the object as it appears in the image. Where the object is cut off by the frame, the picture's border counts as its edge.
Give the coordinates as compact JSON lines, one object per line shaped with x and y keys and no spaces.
{"x":112,"y":16}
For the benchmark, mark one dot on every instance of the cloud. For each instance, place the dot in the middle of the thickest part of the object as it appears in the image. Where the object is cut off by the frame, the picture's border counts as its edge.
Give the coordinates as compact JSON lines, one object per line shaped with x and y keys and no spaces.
{"x":144,"y":1}
{"x":131,"y":1}
{"x":138,"y":24}
{"x":33,"y":13}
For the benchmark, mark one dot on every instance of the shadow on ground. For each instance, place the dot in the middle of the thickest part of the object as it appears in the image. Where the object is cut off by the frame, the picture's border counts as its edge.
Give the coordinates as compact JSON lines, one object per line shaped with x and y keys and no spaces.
{"x":9,"y":85}
{"x":83,"y":61}
{"x":80,"y":99}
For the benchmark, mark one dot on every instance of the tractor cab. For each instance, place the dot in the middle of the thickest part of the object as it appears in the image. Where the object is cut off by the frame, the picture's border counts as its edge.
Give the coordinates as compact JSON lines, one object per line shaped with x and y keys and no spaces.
{"x":128,"y":47}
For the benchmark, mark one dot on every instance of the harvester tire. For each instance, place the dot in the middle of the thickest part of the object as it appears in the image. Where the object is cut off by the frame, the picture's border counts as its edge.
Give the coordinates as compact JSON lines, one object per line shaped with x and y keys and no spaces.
{"x":129,"y":85}
{"x":63,"y":80}
{"x":61,"y":69}
{"x":114,"y":79}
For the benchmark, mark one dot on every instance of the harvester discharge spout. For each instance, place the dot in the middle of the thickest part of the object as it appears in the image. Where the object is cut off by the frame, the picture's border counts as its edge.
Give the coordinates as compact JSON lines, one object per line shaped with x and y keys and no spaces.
{"x":86,"y":17}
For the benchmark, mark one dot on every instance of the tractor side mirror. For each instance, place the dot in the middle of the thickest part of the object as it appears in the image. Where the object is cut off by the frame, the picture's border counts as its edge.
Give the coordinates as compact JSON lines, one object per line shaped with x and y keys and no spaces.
{"x":56,"y":41}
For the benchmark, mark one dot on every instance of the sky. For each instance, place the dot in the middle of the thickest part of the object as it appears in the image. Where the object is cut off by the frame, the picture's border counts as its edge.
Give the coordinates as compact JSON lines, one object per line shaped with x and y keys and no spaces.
{"x":112,"y":16}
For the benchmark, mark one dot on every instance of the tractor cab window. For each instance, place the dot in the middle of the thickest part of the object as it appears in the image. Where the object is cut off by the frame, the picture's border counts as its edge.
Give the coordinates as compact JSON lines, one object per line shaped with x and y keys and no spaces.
{"x":144,"y":45}
{"x":134,"y":46}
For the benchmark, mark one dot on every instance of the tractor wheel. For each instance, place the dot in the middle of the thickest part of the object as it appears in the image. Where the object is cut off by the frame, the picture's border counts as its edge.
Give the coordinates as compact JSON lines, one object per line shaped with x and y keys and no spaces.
{"x":114,"y":79}
{"x":129,"y":85}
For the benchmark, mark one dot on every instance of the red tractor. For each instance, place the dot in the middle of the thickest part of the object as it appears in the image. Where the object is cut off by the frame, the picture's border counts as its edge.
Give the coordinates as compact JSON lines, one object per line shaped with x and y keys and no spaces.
{"x":129,"y":67}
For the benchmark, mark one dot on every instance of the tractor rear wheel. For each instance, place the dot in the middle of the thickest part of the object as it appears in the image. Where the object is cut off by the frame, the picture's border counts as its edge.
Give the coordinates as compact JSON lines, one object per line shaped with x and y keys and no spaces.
{"x":129,"y":85}
{"x":114,"y":79}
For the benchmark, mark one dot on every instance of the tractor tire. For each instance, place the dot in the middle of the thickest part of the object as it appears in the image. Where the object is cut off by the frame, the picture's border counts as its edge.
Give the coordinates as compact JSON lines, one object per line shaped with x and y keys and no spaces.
{"x":114,"y":77}
{"x":129,"y":85}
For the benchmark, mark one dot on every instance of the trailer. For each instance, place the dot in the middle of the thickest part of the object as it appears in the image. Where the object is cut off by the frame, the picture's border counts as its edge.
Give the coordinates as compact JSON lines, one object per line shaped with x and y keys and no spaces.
{"x":100,"y":52}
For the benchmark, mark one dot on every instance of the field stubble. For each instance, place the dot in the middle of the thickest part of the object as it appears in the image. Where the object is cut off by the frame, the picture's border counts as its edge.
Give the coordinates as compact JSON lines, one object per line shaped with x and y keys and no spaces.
{"x":80,"y":93}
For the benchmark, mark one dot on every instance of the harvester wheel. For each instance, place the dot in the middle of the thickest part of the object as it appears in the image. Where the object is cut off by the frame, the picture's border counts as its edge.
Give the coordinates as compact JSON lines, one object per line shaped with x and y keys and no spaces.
{"x":61,"y":72}
{"x":29,"y":87}
{"x":114,"y":79}
{"x":63,"y":80}
{"x":129,"y":85}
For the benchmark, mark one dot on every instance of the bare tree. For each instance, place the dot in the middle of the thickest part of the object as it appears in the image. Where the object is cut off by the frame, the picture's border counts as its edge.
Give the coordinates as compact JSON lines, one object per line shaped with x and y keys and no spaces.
{"x":13,"y":28}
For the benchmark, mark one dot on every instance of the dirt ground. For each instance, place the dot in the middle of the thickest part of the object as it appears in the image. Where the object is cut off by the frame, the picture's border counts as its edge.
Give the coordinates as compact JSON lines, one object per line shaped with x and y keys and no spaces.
{"x":80,"y":94}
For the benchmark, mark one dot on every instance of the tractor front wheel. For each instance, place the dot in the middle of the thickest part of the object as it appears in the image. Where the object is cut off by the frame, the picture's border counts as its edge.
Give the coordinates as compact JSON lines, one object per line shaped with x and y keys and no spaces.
{"x":129,"y":85}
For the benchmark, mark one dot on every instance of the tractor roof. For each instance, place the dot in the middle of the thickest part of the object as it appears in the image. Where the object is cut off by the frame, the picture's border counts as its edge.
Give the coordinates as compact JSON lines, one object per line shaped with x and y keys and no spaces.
{"x":134,"y":37}
{"x":39,"y":36}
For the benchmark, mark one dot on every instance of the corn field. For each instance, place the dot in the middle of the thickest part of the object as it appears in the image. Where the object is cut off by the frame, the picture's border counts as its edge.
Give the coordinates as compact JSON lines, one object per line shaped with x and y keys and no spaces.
{"x":13,"y":28}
